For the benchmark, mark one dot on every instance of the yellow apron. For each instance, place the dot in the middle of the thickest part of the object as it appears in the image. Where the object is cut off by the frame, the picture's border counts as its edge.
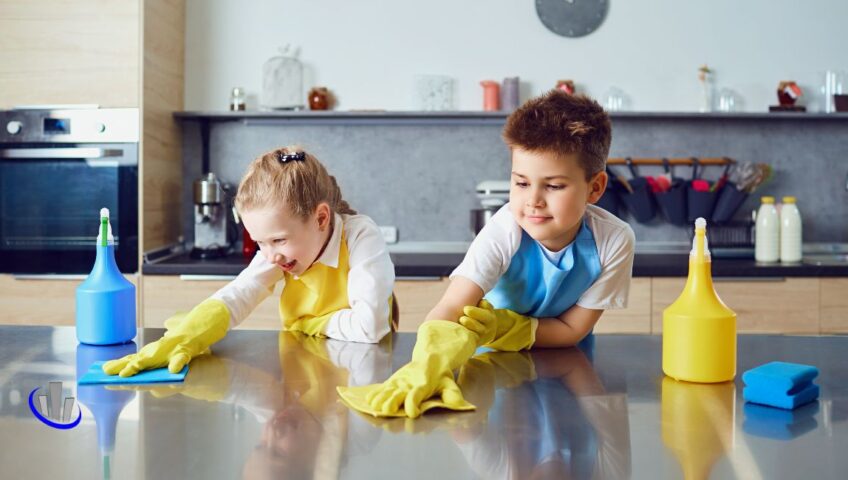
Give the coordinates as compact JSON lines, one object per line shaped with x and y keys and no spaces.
{"x":309,"y":301}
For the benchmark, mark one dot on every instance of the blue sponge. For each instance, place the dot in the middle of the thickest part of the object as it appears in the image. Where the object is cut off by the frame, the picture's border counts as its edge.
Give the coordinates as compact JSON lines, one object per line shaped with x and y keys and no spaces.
{"x":781,"y":385}
{"x":777,"y":423}
{"x":95,"y":375}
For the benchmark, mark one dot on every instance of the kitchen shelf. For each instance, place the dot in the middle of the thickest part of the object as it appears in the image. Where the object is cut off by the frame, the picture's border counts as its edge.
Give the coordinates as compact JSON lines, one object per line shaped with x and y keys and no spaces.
{"x":378,"y":117}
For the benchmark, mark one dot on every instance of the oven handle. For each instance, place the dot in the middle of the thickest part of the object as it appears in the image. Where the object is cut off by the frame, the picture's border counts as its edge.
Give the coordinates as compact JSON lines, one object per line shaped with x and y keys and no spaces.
{"x":51,"y":153}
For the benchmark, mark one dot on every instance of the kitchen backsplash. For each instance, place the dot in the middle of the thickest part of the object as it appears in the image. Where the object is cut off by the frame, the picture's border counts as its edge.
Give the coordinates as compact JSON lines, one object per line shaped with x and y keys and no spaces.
{"x":421,"y":178}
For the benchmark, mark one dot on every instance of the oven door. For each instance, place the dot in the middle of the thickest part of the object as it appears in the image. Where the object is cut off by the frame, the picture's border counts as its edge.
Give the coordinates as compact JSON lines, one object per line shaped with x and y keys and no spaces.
{"x":50,"y":199}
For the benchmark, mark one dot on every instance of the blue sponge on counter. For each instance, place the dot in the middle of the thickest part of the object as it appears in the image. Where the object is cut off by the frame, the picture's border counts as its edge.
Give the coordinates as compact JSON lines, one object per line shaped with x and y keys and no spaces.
{"x":777,"y":423}
{"x":95,"y":375}
{"x":780,"y":384}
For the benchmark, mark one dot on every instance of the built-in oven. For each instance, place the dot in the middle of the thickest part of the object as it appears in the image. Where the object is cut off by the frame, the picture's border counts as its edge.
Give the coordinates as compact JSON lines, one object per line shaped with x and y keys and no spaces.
{"x":58,"y":168}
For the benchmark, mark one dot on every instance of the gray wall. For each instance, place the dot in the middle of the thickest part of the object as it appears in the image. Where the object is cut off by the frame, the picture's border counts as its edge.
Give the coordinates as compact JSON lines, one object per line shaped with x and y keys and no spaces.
{"x":421,"y":178}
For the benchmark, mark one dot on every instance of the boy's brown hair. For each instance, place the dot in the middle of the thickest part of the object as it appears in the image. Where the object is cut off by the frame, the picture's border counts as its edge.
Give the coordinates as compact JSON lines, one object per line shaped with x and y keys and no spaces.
{"x":562,"y":124}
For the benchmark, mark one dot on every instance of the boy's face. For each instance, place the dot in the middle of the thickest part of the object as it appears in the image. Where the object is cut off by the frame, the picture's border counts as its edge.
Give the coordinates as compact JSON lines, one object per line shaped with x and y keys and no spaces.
{"x":548,"y":195}
{"x":287,"y":240}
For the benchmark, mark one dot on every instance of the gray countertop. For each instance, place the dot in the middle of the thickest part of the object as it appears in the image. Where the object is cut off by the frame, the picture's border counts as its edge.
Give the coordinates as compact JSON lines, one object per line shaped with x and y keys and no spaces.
{"x":265,"y":405}
{"x":655,"y":259}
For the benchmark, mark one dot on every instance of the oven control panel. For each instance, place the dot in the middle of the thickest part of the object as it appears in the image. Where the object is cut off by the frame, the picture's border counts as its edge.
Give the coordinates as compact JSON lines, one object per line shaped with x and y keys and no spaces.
{"x":84,"y":125}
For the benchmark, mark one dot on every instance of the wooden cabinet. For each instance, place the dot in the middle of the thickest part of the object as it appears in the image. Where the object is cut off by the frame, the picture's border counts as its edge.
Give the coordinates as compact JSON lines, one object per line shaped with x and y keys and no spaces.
{"x":60,"y":52}
{"x":165,"y":295}
{"x":834,"y":305}
{"x":636,"y":318}
{"x":416,"y":298}
{"x":783,"y":306}
{"x":41,"y":301}
{"x":762,"y":305}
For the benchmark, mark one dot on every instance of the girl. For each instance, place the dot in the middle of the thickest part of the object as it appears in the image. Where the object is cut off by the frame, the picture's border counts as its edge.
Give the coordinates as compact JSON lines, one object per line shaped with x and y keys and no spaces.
{"x":332,"y":264}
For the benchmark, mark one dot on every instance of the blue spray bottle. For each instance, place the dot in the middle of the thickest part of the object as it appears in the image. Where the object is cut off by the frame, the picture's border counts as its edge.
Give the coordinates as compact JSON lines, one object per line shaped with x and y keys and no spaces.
{"x":105,"y":405}
{"x":105,"y":300}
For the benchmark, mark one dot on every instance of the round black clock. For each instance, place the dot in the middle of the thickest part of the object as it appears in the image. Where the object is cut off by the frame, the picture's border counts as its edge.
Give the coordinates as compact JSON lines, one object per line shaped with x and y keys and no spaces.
{"x":572,"y":18}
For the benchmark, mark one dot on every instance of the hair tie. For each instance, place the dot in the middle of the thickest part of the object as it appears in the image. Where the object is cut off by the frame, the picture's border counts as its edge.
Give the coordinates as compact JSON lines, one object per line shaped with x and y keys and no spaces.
{"x":288,"y":157}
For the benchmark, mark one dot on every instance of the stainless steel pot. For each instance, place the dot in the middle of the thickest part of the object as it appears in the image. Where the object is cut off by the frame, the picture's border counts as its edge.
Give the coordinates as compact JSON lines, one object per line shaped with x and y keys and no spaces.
{"x":479,"y":218}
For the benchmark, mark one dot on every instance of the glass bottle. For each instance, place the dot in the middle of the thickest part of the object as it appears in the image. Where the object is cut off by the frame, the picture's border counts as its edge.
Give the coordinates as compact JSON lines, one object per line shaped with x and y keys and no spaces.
{"x":790,"y":231}
{"x":767,"y":232}
{"x":237,"y":99}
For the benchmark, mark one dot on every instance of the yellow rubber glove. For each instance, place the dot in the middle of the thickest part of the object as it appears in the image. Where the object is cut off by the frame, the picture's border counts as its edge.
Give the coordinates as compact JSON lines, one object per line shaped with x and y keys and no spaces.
{"x":204,"y":325}
{"x":424,"y":383}
{"x":209,"y":380}
{"x":312,"y":326}
{"x":483,"y":324}
{"x":513,"y":332}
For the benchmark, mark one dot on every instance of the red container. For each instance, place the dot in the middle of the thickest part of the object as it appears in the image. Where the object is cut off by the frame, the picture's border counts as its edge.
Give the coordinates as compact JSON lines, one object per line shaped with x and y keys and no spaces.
{"x":248,"y":248}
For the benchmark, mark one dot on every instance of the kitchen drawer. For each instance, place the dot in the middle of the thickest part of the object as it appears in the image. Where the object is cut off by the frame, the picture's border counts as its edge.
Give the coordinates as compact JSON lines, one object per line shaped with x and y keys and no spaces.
{"x":636,"y":318}
{"x":762,"y":305}
{"x":41,"y":300}
{"x":165,"y":295}
{"x":834,"y":305}
{"x":416,"y":298}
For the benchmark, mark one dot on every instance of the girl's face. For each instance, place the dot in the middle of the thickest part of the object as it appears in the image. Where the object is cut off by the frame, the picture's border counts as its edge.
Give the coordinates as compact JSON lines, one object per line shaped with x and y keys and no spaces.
{"x":548,"y":196}
{"x":286,"y":240}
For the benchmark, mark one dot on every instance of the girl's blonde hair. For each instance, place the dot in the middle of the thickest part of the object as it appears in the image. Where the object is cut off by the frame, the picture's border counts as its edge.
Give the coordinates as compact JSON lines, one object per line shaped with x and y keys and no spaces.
{"x":300,"y":184}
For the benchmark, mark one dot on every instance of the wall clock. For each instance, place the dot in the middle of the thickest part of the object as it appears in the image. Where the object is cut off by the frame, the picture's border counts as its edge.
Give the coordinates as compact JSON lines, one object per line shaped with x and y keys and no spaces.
{"x":572,"y":18}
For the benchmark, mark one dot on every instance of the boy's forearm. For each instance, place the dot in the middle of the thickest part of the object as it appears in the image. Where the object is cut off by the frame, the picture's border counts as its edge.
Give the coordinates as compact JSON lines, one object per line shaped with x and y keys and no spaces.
{"x":553,"y":332}
{"x":460,"y":292}
{"x":568,"y":329}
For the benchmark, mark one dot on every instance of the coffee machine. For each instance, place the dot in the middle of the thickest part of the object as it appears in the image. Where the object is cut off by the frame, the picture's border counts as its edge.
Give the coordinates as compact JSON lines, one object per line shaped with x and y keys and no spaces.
{"x":212,"y":238}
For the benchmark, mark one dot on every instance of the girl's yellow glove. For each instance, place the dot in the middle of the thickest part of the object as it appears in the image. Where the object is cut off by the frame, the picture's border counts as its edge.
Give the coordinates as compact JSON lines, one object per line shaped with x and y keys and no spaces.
{"x":204,"y":325}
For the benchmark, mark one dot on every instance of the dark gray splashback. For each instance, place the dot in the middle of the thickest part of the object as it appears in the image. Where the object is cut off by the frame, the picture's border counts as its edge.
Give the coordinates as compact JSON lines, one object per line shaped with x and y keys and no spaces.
{"x":420,"y":176}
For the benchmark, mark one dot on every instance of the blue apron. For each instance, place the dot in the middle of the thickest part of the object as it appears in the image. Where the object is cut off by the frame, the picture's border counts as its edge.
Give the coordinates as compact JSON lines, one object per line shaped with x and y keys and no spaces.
{"x":536,"y":287}
{"x":547,"y":422}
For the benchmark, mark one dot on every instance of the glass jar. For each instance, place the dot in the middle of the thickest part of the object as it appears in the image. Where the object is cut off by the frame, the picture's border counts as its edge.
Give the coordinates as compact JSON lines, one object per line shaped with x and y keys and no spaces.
{"x":237,"y":99}
{"x":282,"y":78}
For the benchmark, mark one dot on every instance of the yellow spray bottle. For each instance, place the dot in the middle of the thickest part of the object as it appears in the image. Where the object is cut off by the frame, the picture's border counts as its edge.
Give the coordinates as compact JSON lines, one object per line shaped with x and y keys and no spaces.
{"x":699,"y":330}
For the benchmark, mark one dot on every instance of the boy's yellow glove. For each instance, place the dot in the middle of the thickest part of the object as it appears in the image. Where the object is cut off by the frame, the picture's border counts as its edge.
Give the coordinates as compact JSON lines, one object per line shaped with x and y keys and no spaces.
{"x":502,"y":329}
{"x":187,"y":338}
{"x":424,"y":383}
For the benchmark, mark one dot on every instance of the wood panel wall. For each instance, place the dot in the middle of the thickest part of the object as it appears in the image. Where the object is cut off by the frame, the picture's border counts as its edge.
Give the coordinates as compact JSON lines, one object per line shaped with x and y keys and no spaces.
{"x":69,"y":51}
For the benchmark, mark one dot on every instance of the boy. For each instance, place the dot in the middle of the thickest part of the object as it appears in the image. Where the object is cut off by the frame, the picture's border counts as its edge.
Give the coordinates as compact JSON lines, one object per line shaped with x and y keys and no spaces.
{"x":549,"y":263}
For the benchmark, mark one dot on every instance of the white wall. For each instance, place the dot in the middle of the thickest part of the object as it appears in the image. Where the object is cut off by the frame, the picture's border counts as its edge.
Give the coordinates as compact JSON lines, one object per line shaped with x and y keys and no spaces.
{"x":368,"y":51}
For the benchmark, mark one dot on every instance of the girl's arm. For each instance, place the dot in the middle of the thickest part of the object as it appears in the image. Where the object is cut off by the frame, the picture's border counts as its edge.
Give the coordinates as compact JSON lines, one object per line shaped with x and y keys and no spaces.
{"x":253,"y":285}
{"x":369,"y":285}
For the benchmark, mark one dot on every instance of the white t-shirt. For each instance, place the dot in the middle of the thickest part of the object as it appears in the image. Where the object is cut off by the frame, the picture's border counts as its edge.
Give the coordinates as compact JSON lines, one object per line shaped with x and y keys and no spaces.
{"x":491,"y":252}
{"x":369,"y":282}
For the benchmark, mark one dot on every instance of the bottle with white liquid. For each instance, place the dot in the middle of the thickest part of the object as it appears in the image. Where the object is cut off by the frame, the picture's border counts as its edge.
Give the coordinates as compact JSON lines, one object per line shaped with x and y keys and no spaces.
{"x":790,"y":231}
{"x":767,"y":235}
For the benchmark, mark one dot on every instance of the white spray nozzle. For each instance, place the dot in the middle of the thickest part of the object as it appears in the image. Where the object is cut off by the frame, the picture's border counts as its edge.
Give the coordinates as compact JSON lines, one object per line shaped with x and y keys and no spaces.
{"x":700,"y":224}
{"x":104,"y":212}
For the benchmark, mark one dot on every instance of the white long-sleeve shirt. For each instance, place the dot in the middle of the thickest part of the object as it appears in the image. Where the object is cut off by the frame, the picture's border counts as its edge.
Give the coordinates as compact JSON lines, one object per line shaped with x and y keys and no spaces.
{"x":369,"y":283}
